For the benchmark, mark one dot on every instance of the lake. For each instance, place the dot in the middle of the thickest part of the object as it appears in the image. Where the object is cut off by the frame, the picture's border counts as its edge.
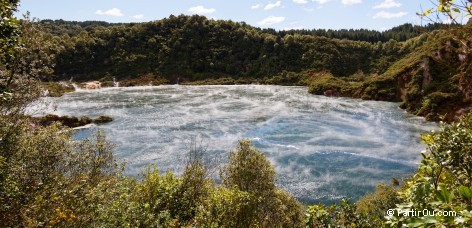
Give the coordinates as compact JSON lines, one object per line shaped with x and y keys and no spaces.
{"x":323,"y":148}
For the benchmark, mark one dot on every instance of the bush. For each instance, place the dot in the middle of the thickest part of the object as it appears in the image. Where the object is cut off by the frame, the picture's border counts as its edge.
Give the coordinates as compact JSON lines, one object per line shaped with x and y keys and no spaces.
{"x":226,"y":208}
{"x":47,"y":177}
{"x":443,"y":181}
{"x":337,"y":215}
{"x":323,"y":82}
{"x":375,"y":205}
{"x":249,"y":171}
{"x":57,"y":89}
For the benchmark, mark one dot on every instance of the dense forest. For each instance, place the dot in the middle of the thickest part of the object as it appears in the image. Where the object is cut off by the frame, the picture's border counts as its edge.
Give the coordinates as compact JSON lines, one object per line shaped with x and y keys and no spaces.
{"x":190,"y":48}
{"x":48,"y":179}
{"x":398,"y":33}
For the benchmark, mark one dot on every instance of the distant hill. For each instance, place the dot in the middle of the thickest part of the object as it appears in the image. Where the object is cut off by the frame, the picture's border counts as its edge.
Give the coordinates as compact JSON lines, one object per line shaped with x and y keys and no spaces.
{"x":190,"y":48}
{"x":434,"y":80}
{"x":398,"y":33}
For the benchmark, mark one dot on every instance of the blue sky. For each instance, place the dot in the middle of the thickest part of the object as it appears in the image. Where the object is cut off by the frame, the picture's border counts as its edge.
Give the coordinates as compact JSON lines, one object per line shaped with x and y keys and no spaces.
{"x":278,"y":14}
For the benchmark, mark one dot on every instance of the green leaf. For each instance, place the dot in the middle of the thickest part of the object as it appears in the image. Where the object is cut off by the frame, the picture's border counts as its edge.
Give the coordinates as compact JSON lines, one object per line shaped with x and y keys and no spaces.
{"x":441,"y":8}
{"x":429,"y":220}
{"x":427,"y":139}
{"x":416,"y":223}
{"x":427,"y":12}
{"x":444,"y":196}
{"x":465,"y":192}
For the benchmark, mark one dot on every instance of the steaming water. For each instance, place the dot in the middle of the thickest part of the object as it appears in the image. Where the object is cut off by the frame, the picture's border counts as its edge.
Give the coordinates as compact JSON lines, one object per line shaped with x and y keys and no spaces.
{"x":323,"y":148}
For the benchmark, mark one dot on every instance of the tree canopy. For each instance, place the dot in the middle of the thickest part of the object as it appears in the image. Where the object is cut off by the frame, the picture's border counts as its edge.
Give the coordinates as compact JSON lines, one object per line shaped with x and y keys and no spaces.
{"x":191,"y":48}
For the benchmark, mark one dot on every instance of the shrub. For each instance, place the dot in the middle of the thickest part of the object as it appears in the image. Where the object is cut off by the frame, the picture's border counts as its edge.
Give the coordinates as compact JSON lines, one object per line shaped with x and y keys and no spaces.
{"x":336,"y":215}
{"x":249,"y":171}
{"x":375,"y":205}
{"x":443,"y":181}
{"x":325,"y":81}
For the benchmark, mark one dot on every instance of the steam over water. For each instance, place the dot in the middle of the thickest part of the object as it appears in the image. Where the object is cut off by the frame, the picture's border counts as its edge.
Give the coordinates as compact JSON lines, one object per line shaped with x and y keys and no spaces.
{"x":322,"y":148}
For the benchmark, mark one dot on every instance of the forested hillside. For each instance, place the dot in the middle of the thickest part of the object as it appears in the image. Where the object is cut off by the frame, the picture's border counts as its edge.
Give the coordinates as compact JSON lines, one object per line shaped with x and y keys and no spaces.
{"x":398,"y":33}
{"x":190,"y":48}
{"x":433,"y":80}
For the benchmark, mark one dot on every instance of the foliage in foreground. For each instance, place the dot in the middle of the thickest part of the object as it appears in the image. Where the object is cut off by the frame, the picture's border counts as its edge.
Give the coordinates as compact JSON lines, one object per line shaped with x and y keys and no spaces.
{"x":49,"y":180}
{"x":369,"y":211}
{"x":443,"y":181}
{"x":78,"y":184}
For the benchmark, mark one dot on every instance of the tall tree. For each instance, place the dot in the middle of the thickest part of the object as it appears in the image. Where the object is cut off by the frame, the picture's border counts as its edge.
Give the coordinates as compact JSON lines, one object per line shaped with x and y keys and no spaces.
{"x":9,"y":35}
{"x":249,"y":171}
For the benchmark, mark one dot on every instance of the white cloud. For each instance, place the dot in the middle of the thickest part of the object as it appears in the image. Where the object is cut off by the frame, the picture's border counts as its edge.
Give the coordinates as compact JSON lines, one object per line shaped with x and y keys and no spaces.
{"x":351,"y":2}
{"x":293,"y":28}
{"x":271,"y":20}
{"x":300,"y":1}
{"x":256,"y":6}
{"x":321,"y":1}
{"x":387,"y":4}
{"x":201,"y":10}
{"x":111,"y":12}
{"x":139,"y":16}
{"x":273,"y":5}
{"x":387,"y":15}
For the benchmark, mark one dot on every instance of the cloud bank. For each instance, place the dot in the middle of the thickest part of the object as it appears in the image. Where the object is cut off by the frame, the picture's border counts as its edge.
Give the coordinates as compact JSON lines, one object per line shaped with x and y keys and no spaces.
{"x":273,"y":5}
{"x":387,"y":15}
{"x":387,"y":4}
{"x":351,"y":2}
{"x":111,"y":12}
{"x":201,"y":10}
{"x":271,"y":20}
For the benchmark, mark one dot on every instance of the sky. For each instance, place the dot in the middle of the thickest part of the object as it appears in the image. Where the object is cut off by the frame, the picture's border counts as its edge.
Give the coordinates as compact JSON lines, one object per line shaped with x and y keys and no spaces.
{"x":277,"y":14}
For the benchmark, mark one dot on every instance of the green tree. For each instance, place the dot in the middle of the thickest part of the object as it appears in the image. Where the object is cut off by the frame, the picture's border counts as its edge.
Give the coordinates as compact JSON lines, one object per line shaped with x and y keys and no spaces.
{"x":443,"y":181}
{"x":45,"y":177}
{"x":249,"y":171}
{"x":342,"y":214}
{"x":373,"y":207}
{"x":20,"y":81}
{"x":9,"y":32}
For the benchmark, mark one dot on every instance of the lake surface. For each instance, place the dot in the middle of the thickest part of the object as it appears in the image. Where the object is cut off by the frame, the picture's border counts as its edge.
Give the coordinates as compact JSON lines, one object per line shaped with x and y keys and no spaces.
{"x":323,"y":148}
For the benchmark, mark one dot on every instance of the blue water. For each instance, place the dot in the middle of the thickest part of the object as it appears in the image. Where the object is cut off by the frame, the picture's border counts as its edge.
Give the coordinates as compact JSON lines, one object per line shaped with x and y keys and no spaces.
{"x":323,"y":148}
